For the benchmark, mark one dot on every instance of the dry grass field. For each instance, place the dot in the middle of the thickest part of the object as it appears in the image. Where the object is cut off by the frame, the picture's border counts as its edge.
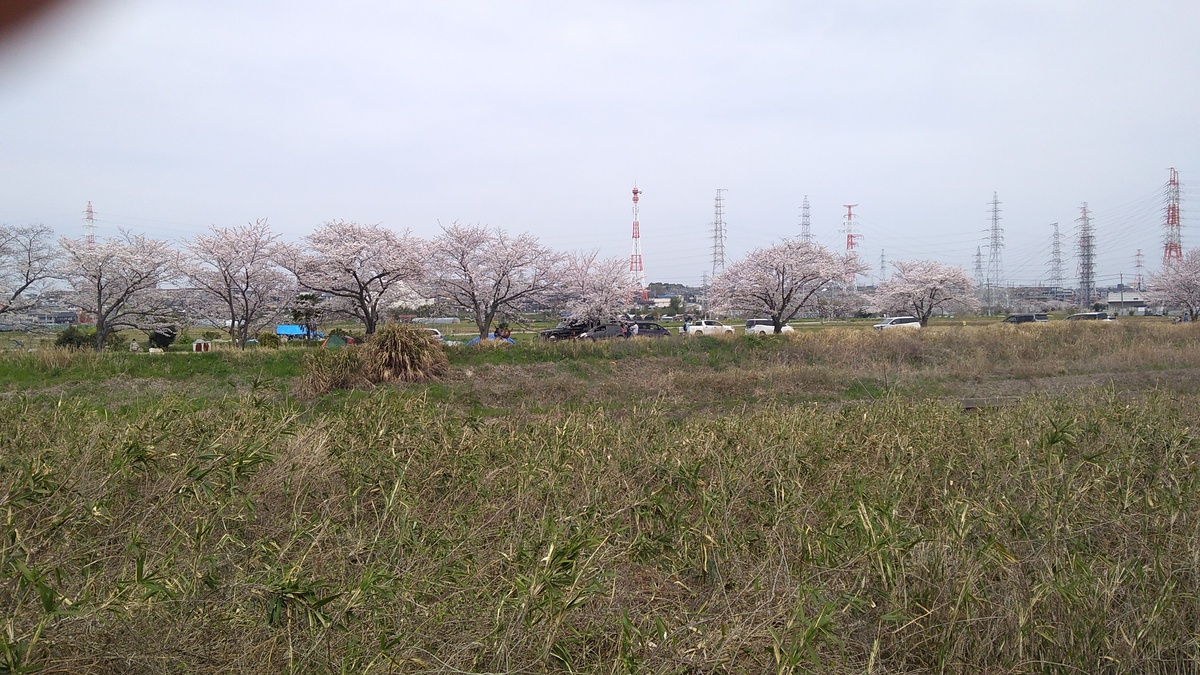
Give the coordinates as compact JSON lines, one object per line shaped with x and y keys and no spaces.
{"x":825,"y":503}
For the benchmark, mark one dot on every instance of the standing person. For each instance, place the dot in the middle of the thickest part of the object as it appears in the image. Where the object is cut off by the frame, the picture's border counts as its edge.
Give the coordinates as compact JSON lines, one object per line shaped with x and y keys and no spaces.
{"x":633,"y":329}
{"x":685,"y":325}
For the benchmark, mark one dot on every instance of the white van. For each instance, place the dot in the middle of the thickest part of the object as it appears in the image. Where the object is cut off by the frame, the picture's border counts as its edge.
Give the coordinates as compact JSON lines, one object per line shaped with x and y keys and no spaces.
{"x":765,"y":327}
{"x":898,"y":322}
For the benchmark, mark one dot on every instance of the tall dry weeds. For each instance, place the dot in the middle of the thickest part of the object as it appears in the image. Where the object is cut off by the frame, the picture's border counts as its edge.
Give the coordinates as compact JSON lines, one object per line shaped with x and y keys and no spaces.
{"x":390,"y":532}
{"x":400,"y":353}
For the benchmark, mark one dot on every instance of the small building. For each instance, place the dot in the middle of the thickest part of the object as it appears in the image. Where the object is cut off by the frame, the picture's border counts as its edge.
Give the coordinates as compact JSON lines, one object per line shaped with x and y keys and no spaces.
{"x":1125,"y":301}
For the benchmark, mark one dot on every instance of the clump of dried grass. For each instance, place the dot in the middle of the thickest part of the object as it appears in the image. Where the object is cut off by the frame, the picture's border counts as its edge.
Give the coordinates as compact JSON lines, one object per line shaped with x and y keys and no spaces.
{"x":398,"y":353}
{"x":330,"y":370}
{"x":395,"y":353}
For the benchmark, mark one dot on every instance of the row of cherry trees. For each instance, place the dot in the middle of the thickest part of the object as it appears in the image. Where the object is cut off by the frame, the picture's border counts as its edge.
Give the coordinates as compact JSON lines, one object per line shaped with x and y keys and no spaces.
{"x":794,"y":276}
{"x":246,"y":277}
{"x":782,"y":280}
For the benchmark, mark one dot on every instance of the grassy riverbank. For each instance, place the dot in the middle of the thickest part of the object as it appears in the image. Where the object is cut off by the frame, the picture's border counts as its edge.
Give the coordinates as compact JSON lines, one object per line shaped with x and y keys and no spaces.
{"x":683,"y":506}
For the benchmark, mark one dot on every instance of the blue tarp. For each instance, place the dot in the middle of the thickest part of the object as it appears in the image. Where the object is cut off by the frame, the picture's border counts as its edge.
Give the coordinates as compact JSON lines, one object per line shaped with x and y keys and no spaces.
{"x":290,"y":331}
{"x":475,"y":340}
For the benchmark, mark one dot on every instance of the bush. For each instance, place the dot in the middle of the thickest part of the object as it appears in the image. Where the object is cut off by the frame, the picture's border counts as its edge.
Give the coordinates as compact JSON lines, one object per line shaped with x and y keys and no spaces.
{"x":355,"y":338}
{"x":402,"y":353}
{"x":266,"y":339}
{"x":77,"y":337}
{"x":74,"y":336}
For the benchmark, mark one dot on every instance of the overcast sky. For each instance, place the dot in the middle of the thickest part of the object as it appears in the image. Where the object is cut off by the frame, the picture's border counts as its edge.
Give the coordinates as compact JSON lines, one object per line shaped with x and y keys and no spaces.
{"x":540,"y":116}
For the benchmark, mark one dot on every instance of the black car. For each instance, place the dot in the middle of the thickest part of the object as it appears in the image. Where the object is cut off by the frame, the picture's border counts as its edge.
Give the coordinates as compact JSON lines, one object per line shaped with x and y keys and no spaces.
{"x":1026,"y":318}
{"x":651,"y":329}
{"x":612,"y":330}
{"x":565,"y":330}
{"x":605,"y":331}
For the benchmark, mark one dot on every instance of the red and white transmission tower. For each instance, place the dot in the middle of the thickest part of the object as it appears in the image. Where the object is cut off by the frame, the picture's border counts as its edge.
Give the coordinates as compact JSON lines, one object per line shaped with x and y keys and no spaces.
{"x":851,"y":236}
{"x":1173,"y":246}
{"x":89,"y":224}
{"x":636,"y":273}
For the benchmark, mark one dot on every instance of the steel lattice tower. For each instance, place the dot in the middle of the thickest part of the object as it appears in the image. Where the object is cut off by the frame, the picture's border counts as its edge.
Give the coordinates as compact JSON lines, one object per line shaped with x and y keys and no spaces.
{"x":979,"y":268}
{"x":852,"y":238}
{"x":1056,"y":263}
{"x":1139,"y":264}
{"x":805,"y":223}
{"x":995,"y":267}
{"x":718,"y":235}
{"x":637,"y":274}
{"x":882,"y":266}
{"x":89,"y":224}
{"x":1173,"y":244}
{"x":1087,"y":257}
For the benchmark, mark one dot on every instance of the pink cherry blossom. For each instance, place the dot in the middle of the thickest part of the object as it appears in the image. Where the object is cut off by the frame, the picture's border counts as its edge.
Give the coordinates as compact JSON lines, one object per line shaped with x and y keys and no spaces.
{"x":781,"y":280}
{"x":484,"y":270}
{"x":119,"y":281}
{"x":364,"y":268}
{"x":27,"y":256}
{"x":239,"y":282}
{"x":1178,"y":285}
{"x":596,"y":289}
{"x":921,"y":287}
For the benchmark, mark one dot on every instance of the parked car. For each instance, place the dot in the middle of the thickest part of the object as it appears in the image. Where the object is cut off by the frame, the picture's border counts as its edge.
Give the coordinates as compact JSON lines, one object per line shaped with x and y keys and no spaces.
{"x":565,"y":330}
{"x":706,"y":327}
{"x":1090,"y":316}
{"x":651,"y":329}
{"x":603,"y":332}
{"x":1026,"y":318}
{"x":898,"y":322}
{"x":765,"y":327}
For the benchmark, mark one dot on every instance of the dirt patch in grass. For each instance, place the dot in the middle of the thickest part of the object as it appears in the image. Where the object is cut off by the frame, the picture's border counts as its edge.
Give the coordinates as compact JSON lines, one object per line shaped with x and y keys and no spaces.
{"x":1175,"y":380}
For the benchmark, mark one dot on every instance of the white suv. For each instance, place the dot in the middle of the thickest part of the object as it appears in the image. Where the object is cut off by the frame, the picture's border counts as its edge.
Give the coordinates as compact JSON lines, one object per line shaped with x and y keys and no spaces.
{"x":765,"y":327}
{"x":706,"y":327}
{"x":898,"y":322}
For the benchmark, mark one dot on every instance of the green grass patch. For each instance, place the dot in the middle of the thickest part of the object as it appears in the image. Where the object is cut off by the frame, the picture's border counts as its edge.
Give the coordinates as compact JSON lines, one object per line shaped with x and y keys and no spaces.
{"x":21,"y":370}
